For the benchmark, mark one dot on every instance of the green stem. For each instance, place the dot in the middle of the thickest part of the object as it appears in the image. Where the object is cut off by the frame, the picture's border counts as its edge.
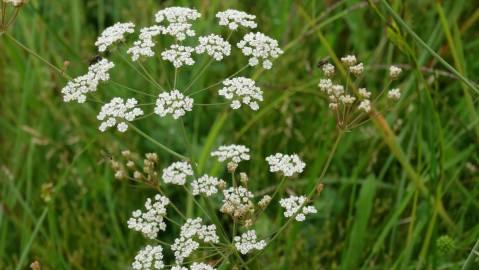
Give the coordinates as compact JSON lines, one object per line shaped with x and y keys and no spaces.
{"x":310,"y":194}
{"x":429,"y":49}
{"x":470,"y":259}
{"x":157,"y":143}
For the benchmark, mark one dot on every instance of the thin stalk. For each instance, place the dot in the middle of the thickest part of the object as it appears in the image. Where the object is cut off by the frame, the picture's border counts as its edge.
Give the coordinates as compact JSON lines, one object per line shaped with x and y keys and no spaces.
{"x":61,"y":72}
{"x":157,"y":143}
{"x":408,"y":29}
{"x":310,"y":194}
{"x":217,"y":83}
{"x":469,"y":263}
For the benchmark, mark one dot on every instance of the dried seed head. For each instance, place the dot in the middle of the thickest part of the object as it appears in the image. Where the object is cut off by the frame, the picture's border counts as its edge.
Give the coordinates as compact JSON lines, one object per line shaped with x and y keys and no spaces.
{"x":232,"y":167}
{"x":138,"y":176}
{"x":221,"y":184}
{"x":248,"y":223}
{"x":120,"y":174}
{"x":126,"y":153}
{"x":130,"y":164}
{"x":153,"y":157}
{"x":244,"y":179}
{"x":263,"y":203}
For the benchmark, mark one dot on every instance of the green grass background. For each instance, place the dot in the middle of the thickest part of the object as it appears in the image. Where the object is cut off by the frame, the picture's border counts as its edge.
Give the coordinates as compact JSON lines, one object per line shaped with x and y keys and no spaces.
{"x":371,"y":215}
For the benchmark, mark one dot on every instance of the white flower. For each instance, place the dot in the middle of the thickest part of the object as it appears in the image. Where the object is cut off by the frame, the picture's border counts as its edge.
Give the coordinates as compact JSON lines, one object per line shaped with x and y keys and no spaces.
{"x":247,"y":242}
{"x":195,"y":228}
{"x":143,"y":46}
{"x":205,"y":185}
{"x":215,"y":46}
{"x":233,"y":18}
{"x":328,"y":70}
{"x":365,"y":105}
{"x":349,"y":60}
{"x":177,"y":15}
{"x":394,"y":72}
{"x":258,"y":47}
{"x":178,"y":267}
{"x":286,"y":164}
{"x":77,"y":88}
{"x":113,"y":34}
{"x":347,"y":99}
{"x":177,"y":172}
{"x":394,"y":94}
{"x":118,"y":112}
{"x":364,"y":93}
{"x":179,"y":30}
{"x":174,"y":103}
{"x":357,"y":69}
{"x":232,"y":153}
{"x":150,"y":257}
{"x":325,"y":84}
{"x":293,"y":204}
{"x":201,"y":266}
{"x":241,"y":90}
{"x":185,"y":245}
{"x":178,"y":55}
{"x":150,"y":222}
{"x":236,"y":201}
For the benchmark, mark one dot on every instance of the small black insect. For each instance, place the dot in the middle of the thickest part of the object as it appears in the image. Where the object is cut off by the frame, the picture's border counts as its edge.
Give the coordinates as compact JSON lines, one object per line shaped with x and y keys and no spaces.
{"x":323,"y":62}
{"x":95,"y":59}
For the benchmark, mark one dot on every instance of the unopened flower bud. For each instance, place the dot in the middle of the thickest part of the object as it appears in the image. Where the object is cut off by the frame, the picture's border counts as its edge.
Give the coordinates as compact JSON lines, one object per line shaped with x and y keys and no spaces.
{"x":221,"y":184}
{"x":263,"y":203}
{"x":138,"y":175}
{"x":244,"y":179}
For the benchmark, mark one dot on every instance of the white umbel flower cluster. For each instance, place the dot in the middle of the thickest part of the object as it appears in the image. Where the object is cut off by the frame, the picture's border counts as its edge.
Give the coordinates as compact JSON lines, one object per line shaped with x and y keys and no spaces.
{"x":177,"y":15}
{"x":77,"y":88}
{"x":151,"y":221}
{"x":394,"y":94}
{"x":258,"y":47}
{"x":248,"y":242}
{"x":236,"y":201}
{"x":293,"y":204}
{"x":177,"y":173}
{"x":288,"y":165}
{"x":179,"y":30}
{"x":178,"y":55}
{"x":174,"y":103}
{"x":143,"y":46}
{"x":113,"y":34}
{"x":178,"y":19}
{"x":336,"y":94}
{"x":205,"y":185}
{"x":201,"y":266}
{"x":328,"y":70}
{"x":394,"y":72}
{"x":241,"y":91}
{"x":118,"y":112}
{"x":349,"y":60}
{"x":215,"y":46}
{"x":231,"y":153}
{"x":150,"y":257}
{"x":234,"y":18}
{"x":185,"y":244}
{"x":365,"y":106}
